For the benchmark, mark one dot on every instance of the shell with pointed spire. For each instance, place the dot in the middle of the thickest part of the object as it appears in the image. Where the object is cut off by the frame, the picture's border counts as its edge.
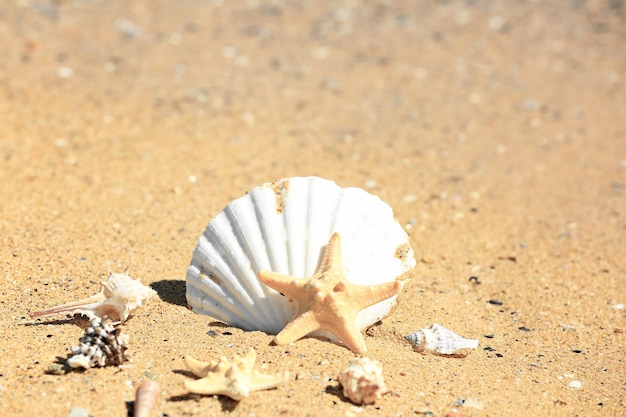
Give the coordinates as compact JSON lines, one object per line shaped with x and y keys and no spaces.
{"x":438,"y":340}
{"x":119,"y":296}
{"x":284,"y":227}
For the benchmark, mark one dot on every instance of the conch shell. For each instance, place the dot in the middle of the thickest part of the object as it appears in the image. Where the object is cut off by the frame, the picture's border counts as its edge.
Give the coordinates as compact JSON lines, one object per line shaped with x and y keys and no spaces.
{"x":120,"y":295}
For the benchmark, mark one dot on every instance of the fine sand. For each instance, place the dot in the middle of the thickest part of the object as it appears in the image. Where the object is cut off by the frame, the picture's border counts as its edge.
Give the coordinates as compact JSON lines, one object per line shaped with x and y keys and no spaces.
{"x":496,"y":131}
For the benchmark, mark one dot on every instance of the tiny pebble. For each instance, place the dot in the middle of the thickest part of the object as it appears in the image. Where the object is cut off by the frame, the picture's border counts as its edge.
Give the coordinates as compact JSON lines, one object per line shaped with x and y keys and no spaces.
{"x":370,"y":183}
{"x":524,"y":329}
{"x":495,"y":302}
{"x":56,"y":369}
{"x":496,"y":23}
{"x":490,"y":336}
{"x":422,"y":409}
{"x":575,"y":384}
{"x":65,"y":72}
{"x":474,"y":403}
{"x":409,"y":198}
{"x":61,"y":143}
{"x":474,"y":279}
{"x":78,"y":412}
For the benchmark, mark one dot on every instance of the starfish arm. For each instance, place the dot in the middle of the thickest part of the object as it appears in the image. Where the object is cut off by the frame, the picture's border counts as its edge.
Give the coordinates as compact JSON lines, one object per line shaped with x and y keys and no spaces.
{"x":248,"y":360}
{"x":261,"y":382}
{"x":347,"y":332}
{"x":332,"y":255}
{"x":212,"y":384}
{"x":365,"y":296}
{"x":198,"y":368}
{"x":354,"y":341}
{"x":297,"y":328}
{"x":284,"y":284}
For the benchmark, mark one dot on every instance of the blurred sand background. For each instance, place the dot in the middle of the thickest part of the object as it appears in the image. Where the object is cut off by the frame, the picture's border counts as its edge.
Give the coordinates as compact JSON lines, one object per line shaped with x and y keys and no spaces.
{"x":496,"y":130}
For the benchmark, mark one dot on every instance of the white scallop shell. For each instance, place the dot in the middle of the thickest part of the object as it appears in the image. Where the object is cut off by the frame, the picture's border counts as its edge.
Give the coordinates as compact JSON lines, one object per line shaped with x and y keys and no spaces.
{"x":363,"y":381}
{"x":284,"y":227}
{"x":440,"y":341}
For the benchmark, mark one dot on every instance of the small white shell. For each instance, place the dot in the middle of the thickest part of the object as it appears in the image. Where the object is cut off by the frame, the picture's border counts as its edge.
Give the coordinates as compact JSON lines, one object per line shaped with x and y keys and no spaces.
{"x":284,"y":227}
{"x":438,"y":340}
{"x":119,"y":296}
{"x":363,"y":381}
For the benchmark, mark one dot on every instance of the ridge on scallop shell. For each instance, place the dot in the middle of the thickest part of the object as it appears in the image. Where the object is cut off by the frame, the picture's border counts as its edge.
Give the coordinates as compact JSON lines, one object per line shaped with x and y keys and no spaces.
{"x":284,"y":227}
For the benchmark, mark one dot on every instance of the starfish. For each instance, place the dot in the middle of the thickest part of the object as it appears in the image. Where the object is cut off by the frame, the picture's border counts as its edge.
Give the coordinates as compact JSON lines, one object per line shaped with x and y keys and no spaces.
{"x":327,"y":300}
{"x":235,"y":379}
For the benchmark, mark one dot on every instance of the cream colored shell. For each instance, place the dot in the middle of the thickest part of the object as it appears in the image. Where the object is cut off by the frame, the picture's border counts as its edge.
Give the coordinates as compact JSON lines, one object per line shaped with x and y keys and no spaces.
{"x":119,"y":296}
{"x":284,"y":227}
{"x":363,"y":381}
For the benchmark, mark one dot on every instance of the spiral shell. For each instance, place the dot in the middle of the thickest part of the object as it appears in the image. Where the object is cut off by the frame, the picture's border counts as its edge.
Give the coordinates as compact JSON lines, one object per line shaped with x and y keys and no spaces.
{"x":102,"y":345}
{"x":363,"y":381}
{"x":438,"y":340}
{"x":284,"y":227}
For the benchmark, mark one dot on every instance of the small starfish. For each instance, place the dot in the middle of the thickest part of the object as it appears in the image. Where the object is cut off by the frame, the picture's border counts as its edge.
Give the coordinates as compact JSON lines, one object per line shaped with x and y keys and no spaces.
{"x":327,"y":300}
{"x":235,"y":379}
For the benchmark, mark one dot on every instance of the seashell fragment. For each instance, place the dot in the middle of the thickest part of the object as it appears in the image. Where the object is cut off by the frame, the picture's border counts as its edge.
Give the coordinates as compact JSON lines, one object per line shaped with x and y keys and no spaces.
{"x":363,"y":381}
{"x":284,"y":227}
{"x":235,"y":379}
{"x":119,"y":296}
{"x":102,"y":345}
{"x":146,"y":397}
{"x":438,"y":340}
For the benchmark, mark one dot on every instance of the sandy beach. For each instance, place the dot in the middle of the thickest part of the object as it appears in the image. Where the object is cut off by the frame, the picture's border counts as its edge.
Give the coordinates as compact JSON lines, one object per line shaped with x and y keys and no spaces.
{"x":495,"y":130}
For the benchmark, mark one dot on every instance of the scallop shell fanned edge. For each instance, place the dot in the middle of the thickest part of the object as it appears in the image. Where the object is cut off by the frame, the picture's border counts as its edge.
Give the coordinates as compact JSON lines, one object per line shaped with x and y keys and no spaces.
{"x":284,"y":227}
